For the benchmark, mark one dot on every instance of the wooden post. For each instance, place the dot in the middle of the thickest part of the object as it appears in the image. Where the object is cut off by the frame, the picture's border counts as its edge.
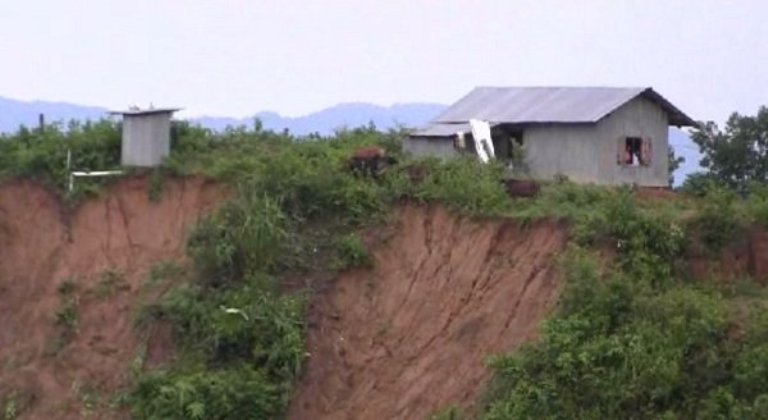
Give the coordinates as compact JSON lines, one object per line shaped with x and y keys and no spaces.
{"x":41,"y":123}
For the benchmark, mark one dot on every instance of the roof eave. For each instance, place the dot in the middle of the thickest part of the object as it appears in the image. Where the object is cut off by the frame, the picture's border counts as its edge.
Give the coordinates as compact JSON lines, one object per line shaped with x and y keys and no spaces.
{"x":677,"y":117}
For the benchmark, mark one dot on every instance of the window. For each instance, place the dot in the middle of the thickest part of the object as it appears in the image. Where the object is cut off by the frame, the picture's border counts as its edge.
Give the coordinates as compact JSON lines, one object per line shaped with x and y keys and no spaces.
{"x":634,"y":151}
{"x":460,"y":141}
{"x":507,"y":143}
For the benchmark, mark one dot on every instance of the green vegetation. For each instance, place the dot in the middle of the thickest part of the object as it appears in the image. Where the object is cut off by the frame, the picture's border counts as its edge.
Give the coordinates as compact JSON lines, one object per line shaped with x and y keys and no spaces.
{"x":241,"y":339}
{"x":155,"y":189}
{"x":66,"y":315}
{"x":450,"y":413}
{"x":14,"y":404}
{"x":736,"y":156}
{"x":43,"y":155}
{"x":352,"y":253}
{"x":632,"y":338}
{"x":111,"y":282}
{"x":67,"y":288}
{"x":162,"y":271}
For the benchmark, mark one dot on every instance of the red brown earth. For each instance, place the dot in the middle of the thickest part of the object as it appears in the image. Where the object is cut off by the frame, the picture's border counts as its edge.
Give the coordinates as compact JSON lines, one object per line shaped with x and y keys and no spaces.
{"x":410,"y":336}
{"x":68,"y":372}
{"x":745,"y":257}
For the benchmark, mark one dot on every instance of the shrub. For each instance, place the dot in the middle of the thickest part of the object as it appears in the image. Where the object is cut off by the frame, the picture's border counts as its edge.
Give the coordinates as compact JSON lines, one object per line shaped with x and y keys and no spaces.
{"x":246,"y":235}
{"x":717,"y":221}
{"x":699,"y":184}
{"x":43,"y":155}
{"x":239,"y":392}
{"x":352,"y":253}
{"x":464,"y":184}
{"x":630,"y":340}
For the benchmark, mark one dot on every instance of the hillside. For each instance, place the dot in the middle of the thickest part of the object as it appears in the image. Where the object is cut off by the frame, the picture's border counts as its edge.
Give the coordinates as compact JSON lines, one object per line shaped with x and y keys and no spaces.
{"x":253,"y":276}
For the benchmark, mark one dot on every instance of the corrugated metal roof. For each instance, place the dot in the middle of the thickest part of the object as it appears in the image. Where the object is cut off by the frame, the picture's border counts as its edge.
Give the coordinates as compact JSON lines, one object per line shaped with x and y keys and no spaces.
{"x":146,"y":111}
{"x":442,"y":130}
{"x":520,"y":105}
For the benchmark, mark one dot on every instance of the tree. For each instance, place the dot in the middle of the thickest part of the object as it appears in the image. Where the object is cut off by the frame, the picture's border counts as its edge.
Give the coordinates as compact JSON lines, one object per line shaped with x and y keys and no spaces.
{"x":739,"y":154}
{"x":674,"y":164}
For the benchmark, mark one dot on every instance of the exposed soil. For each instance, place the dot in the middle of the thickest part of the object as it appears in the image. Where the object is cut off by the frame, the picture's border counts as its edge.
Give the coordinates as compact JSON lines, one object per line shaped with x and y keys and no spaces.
{"x":102,"y":252}
{"x":657,"y":194}
{"x":410,"y":336}
{"x":745,"y":257}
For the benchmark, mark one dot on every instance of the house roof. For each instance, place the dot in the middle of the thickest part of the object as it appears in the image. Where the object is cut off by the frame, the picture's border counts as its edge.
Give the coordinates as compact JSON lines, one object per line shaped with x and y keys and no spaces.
{"x":546,"y":105}
{"x":443,"y":129}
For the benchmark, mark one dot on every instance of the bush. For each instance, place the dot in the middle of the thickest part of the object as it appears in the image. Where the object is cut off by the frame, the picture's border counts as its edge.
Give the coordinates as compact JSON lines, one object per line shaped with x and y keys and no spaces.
{"x":43,"y":155}
{"x":245,"y":236}
{"x":352,"y":253}
{"x":700,"y":183}
{"x":630,"y":339}
{"x":249,"y":344}
{"x":717,"y":220}
{"x":463,"y":184}
{"x":240,"y":392}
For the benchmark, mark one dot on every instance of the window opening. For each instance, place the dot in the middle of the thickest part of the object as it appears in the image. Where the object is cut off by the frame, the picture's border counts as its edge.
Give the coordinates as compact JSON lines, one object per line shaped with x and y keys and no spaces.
{"x":633,"y":154}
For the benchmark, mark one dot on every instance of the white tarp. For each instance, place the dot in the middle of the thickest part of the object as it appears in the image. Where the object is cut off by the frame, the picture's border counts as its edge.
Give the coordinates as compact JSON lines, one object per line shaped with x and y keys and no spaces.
{"x":481,"y":131}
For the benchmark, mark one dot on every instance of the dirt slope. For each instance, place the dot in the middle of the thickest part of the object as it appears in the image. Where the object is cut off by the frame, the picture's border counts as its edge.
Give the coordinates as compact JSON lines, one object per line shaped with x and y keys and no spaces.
{"x":410,"y":336}
{"x":65,"y":372}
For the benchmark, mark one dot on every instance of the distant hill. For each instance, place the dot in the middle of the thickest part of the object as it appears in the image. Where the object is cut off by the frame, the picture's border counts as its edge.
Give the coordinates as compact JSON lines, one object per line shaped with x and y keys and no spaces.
{"x":348,"y":115}
{"x":14,"y":113}
{"x":683,"y":146}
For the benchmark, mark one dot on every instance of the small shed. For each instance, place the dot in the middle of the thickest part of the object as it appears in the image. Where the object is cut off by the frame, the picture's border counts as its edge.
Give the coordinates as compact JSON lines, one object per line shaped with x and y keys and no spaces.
{"x":146,"y":136}
{"x":601,"y":135}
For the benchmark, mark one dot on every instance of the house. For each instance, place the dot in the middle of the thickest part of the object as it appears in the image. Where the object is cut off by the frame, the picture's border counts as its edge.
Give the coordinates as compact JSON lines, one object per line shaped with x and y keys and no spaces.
{"x":600,"y":135}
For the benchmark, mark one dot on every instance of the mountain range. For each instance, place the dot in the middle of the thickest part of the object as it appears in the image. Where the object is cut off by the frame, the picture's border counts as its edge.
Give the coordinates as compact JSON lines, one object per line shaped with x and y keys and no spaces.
{"x":14,"y":113}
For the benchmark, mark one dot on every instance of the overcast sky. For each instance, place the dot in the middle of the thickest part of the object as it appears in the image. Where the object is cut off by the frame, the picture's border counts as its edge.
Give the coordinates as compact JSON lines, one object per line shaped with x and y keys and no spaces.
{"x":237,"y":57}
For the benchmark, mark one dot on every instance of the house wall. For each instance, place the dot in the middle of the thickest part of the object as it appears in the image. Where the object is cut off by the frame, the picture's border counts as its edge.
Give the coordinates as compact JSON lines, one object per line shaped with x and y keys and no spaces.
{"x":146,"y":139}
{"x":441,"y":147}
{"x":568,"y":150}
{"x":588,"y":153}
{"x":637,"y":118}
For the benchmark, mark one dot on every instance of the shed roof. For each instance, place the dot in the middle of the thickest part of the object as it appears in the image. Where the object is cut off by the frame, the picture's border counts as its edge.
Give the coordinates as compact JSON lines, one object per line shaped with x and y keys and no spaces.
{"x":149,"y":111}
{"x":557,"y":105}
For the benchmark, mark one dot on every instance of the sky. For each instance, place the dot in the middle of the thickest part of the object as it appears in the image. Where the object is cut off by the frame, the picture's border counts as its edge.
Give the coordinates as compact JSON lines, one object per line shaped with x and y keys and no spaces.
{"x":237,"y":57}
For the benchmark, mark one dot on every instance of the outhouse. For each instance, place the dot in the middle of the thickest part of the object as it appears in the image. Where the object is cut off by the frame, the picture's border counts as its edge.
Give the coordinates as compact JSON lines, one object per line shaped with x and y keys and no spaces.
{"x":146,"y":136}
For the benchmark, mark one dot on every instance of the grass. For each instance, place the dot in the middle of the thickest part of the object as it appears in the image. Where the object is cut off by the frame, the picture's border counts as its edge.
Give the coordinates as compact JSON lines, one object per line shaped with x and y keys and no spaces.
{"x":67,"y":287}
{"x":352,"y":253}
{"x":449,"y":413}
{"x":164,"y":270}
{"x":14,"y":404}
{"x":155,"y":189}
{"x":66,"y":316}
{"x":111,"y":282}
